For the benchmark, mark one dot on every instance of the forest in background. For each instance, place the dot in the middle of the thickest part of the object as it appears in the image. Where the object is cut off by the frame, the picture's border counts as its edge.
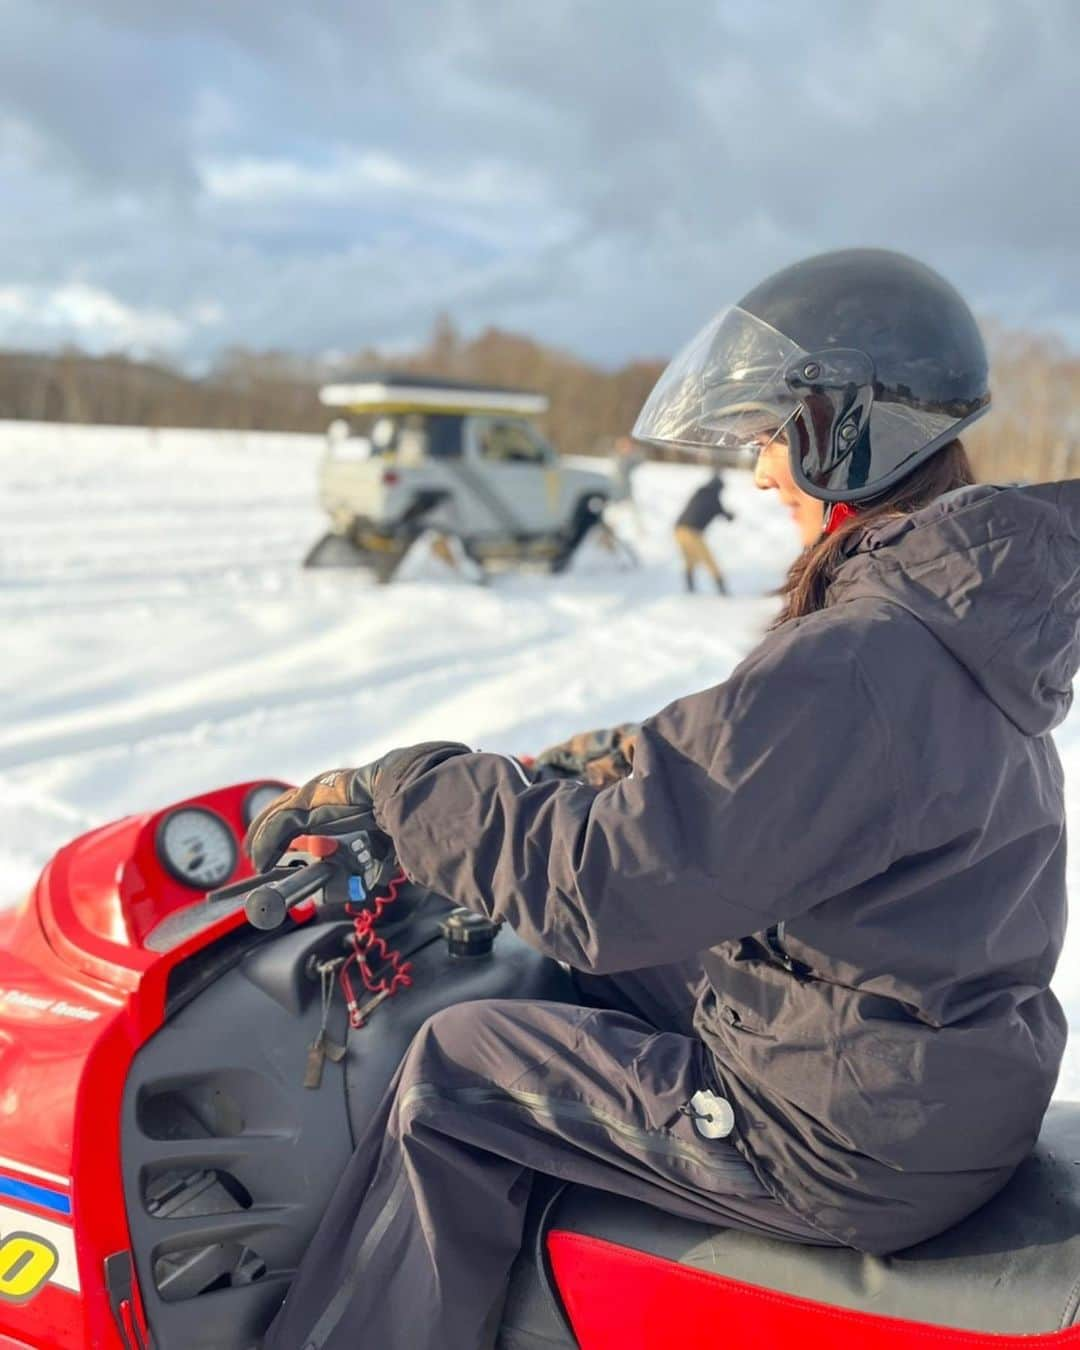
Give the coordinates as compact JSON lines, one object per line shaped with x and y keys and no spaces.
{"x":1033,"y":432}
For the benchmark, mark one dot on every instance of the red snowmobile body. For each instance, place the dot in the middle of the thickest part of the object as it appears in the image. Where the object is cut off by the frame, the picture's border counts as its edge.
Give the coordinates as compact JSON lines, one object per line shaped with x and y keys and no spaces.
{"x":163,"y":1166}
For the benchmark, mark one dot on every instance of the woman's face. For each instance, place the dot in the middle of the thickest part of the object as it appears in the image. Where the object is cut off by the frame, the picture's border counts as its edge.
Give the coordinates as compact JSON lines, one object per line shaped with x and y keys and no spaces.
{"x":773,"y":470}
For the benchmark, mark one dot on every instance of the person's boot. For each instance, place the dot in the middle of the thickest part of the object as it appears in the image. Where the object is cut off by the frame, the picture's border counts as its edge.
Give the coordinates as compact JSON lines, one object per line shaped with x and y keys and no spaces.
{"x":689,"y":581}
{"x":721,"y":586}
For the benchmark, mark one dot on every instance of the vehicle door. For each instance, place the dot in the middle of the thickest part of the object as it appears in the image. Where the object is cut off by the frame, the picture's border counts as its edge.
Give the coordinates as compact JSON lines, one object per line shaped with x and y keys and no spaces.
{"x":517,"y":474}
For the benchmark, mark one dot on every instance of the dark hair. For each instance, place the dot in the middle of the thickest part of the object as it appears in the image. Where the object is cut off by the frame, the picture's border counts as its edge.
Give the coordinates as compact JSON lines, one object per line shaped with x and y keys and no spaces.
{"x":810,"y":575}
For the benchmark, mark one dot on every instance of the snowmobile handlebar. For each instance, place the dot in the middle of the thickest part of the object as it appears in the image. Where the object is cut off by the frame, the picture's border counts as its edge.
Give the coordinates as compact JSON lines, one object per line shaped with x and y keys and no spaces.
{"x":267,"y":906}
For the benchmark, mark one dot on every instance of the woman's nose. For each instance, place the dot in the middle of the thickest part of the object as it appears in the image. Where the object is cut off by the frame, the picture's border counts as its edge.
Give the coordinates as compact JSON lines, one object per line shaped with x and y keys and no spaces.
{"x":762,"y":477}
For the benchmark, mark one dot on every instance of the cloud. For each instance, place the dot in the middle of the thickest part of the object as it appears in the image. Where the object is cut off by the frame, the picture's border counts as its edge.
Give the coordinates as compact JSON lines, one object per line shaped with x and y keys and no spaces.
{"x":345,"y":175}
{"x":603,"y":175}
{"x":36,"y":316}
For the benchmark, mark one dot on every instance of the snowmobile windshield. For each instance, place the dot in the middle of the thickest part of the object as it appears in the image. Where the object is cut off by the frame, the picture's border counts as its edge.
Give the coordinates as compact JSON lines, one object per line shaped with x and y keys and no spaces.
{"x":725,"y":390}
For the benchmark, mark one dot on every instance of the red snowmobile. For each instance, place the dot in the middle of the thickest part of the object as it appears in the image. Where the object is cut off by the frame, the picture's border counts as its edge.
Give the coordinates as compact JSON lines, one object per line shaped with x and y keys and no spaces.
{"x":187,"y":1053}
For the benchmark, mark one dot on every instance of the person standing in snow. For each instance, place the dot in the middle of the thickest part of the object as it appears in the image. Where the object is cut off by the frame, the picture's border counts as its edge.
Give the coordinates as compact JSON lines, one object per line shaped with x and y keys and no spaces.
{"x":705,"y":504}
{"x":813,"y":912}
{"x":626,"y":460}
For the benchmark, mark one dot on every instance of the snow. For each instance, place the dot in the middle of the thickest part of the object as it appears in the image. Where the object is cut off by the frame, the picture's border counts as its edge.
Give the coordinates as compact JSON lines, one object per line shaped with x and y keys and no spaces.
{"x":162,"y":639}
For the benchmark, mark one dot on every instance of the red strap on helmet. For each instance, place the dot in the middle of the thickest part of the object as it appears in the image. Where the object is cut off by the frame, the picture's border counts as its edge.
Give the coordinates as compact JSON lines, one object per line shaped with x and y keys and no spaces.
{"x":837,"y":514}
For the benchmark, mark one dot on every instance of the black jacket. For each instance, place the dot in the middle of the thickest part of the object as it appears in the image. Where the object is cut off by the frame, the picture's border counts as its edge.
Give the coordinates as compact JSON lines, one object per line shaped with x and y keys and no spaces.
{"x":705,"y":505}
{"x":863,"y":833}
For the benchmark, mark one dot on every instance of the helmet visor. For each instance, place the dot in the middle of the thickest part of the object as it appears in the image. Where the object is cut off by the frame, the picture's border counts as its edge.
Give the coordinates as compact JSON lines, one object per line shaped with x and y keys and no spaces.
{"x":741,"y":382}
{"x":726,"y":390}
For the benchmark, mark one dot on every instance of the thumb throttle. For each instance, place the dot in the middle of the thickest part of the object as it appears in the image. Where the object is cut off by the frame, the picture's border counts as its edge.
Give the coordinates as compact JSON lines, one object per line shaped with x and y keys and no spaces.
{"x":267,"y":906}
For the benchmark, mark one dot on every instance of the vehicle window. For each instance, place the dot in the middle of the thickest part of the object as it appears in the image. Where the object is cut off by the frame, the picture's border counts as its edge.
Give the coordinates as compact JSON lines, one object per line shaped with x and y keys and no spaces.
{"x":509,"y":442}
{"x":382,"y":435}
{"x":412,"y":440}
{"x":444,"y":436}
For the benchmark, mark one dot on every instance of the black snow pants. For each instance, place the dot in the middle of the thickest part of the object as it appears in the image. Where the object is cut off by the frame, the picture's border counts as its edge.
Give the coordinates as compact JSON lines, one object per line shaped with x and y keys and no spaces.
{"x":416,"y":1247}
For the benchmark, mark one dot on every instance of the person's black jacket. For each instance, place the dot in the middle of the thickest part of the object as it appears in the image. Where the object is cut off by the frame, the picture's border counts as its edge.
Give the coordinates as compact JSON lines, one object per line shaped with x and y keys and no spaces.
{"x":863,"y":833}
{"x":705,"y":505}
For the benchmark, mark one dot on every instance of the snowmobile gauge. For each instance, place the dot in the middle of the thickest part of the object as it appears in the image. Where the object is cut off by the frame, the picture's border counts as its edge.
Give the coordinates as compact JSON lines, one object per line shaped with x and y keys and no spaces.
{"x":259,"y":798}
{"x":197,"y":847}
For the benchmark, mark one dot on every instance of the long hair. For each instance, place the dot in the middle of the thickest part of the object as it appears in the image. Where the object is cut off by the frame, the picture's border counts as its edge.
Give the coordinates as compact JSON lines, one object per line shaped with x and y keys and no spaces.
{"x":811,"y":574}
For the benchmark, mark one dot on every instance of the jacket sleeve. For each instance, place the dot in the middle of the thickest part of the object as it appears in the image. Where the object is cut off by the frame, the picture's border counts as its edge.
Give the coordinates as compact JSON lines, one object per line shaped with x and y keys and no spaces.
{"x":749,"y":803}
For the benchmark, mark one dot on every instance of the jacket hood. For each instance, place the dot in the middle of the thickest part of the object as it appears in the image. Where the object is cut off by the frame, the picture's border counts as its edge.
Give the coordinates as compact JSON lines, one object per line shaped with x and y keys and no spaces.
{"x":994,"y":574}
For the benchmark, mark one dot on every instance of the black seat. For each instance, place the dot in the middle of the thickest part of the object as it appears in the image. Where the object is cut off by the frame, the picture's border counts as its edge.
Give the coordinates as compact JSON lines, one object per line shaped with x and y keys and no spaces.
{"x":1013,"y":1267}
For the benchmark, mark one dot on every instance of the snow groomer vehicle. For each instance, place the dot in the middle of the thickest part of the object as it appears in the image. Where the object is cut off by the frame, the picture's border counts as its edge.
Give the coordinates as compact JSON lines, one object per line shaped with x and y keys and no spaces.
{"x":187,"y":1053}
{"x":413,"y":456}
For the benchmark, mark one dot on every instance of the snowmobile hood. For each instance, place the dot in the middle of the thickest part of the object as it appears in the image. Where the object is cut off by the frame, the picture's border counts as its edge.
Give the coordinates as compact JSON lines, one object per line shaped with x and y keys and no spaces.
{"x":994,"y":574}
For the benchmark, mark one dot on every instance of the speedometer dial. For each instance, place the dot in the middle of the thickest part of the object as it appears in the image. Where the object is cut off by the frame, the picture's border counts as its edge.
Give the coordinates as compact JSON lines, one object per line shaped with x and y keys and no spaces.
{"x":197,"y":847}
{"x":260,"y":797}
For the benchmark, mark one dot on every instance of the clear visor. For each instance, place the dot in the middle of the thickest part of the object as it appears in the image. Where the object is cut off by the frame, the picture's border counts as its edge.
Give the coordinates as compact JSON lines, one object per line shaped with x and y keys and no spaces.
{"x":740,"y":384}
{"x":725,"y":390}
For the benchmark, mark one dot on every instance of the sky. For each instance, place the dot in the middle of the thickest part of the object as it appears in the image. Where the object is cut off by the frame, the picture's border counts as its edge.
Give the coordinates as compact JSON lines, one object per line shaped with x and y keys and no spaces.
{"x":178,"y":178}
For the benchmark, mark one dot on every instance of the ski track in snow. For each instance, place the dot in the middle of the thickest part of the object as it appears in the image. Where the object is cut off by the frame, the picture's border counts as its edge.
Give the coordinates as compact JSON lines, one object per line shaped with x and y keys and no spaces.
{"x":162,"y":639}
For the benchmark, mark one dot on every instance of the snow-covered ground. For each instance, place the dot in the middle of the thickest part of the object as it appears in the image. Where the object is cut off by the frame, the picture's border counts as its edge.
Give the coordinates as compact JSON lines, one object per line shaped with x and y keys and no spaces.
{"x":160,"y":637}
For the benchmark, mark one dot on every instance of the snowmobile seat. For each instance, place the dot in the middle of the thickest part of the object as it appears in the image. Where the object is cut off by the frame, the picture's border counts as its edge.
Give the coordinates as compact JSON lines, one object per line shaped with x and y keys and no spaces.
{"x":1009,"y":1275}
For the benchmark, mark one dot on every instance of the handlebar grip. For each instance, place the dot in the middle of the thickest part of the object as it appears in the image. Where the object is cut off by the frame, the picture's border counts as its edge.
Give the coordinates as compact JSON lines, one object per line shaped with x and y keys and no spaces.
{"x":267,"y":906}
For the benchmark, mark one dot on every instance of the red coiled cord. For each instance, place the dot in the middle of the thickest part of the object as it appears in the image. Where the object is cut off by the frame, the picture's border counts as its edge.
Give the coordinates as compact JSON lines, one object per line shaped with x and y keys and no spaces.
{"x":365,"y":942}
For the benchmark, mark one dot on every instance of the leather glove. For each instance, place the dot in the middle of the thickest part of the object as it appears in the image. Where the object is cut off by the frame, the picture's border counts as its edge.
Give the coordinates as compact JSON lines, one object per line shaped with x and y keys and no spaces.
{"x":599,"y":757}
{"x":335,"y":803}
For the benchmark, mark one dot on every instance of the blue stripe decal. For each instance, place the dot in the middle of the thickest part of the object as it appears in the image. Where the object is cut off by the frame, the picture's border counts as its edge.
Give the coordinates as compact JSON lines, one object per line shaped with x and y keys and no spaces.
{"x":57,"y":1201}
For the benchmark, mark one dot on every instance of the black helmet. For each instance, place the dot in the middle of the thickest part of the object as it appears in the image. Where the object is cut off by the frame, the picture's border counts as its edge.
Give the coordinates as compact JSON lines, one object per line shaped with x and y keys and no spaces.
{"x":867,"y":361}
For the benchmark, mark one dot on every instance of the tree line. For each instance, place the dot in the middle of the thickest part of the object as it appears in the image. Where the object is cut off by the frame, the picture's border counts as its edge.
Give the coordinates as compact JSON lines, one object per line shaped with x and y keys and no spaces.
{"x":1033,"y":432}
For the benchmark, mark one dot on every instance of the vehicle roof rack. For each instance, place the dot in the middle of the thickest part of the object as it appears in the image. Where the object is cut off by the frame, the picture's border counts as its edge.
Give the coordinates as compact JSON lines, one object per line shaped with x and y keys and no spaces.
{"x":378,"y":392}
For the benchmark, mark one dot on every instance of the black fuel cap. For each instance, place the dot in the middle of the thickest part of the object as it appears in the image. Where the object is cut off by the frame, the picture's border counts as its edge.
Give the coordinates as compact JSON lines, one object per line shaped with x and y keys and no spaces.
{"x":468,"y":934}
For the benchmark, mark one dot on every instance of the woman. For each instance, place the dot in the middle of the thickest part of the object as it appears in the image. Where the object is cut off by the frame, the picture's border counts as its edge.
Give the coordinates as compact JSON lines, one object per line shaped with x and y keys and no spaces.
{"x":815,"y":926}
